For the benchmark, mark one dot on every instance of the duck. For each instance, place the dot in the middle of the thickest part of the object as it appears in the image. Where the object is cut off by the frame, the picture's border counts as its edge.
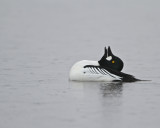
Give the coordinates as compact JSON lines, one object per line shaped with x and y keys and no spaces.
{"x":107,"y":69}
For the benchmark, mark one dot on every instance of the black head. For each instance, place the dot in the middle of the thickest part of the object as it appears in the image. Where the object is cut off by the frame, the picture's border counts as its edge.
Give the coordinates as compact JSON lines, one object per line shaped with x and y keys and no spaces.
{"x":111,"y":61}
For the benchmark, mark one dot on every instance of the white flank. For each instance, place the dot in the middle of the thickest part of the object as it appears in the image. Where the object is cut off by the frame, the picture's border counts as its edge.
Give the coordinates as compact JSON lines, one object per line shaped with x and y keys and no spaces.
{"x":79,"y":73}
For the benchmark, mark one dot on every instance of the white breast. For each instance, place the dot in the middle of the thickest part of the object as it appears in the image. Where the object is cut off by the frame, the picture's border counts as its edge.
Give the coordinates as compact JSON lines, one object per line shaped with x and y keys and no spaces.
{"x":79,"y":73}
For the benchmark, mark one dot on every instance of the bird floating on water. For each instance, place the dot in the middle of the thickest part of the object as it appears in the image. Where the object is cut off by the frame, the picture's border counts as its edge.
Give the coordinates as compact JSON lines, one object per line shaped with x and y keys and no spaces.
{"x":108,"y":68}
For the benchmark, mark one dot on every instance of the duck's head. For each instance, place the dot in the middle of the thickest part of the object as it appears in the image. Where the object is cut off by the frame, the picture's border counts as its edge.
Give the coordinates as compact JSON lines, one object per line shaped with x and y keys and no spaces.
{"x":111,"y":61}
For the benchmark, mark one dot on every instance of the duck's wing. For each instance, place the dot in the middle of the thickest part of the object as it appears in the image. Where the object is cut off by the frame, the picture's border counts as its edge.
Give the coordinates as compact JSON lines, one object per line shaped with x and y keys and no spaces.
{"x":125,"y":77}
{"x":101,"y":71}
{"x":115,"y":74}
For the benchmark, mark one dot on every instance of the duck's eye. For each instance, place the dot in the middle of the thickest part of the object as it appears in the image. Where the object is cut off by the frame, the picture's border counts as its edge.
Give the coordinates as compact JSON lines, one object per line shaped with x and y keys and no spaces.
{"x":113,"y":61}
{"x":109,"y":58}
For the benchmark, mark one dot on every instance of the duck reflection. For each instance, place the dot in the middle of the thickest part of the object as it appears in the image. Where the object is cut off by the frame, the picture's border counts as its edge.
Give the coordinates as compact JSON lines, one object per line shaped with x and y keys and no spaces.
{"x":91,"y":89}
{"x":111,"y":89}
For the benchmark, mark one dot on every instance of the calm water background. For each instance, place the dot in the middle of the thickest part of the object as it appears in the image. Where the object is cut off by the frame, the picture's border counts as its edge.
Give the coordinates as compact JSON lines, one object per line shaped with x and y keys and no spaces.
{"x":41,"y":39}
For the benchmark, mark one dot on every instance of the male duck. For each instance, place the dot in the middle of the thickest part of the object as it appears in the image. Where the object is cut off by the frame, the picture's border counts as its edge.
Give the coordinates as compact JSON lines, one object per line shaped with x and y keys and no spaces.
{"x":108,"y":68}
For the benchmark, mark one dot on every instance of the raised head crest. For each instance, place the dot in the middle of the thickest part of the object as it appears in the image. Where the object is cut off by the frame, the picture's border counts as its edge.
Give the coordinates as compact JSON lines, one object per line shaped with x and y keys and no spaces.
{"x":109,"y":51}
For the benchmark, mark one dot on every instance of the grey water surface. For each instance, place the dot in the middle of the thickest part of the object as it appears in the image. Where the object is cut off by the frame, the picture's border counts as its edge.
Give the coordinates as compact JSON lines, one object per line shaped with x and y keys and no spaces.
{"x":41,"y":39}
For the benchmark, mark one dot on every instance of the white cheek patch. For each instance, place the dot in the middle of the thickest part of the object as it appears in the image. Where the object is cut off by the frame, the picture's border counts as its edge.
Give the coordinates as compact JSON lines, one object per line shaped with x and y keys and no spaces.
{"x":109,"y":58}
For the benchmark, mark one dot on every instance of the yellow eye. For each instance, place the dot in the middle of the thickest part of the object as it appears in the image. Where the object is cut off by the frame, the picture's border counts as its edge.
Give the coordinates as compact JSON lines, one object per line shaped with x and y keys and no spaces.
{"x":113,"y":61}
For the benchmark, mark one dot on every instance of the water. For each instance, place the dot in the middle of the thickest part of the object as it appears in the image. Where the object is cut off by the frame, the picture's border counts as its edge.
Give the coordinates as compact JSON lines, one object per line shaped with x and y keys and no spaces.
{"x":41,"y":40}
